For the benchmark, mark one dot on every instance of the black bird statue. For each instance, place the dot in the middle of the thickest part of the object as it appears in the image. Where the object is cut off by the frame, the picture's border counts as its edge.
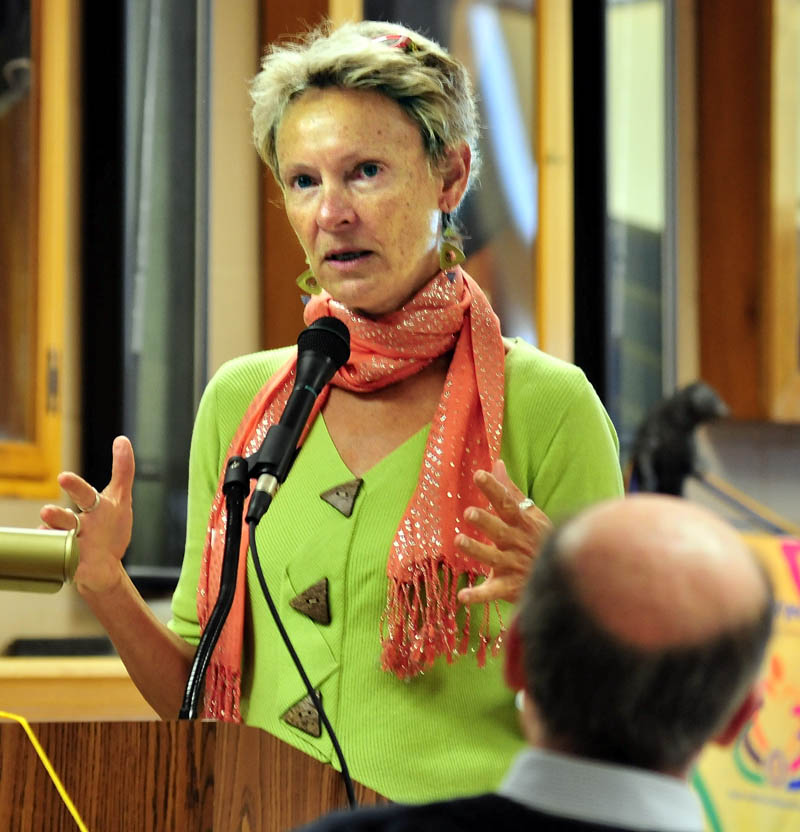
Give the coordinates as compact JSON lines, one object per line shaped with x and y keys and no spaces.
{"x":664,"y":448}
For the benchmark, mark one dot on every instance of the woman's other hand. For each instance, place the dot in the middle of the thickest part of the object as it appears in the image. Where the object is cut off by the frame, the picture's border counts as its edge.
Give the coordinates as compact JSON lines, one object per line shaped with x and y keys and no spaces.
{"x":516,"y":531}
{"x":105,"y":522}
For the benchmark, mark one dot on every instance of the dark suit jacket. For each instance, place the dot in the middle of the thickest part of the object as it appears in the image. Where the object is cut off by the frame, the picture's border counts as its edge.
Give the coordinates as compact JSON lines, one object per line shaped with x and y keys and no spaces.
{"x":485,"y":813}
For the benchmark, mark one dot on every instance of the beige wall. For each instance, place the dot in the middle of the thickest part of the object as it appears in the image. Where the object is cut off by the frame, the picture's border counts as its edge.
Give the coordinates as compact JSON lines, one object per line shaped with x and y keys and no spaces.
{"x":234,"y":176}
{"x":635,"y":133}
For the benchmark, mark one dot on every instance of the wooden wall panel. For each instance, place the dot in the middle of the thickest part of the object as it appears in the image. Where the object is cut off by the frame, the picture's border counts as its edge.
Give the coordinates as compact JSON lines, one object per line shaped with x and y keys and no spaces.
{"x":283,"y":257}
{"x":733,"y":55}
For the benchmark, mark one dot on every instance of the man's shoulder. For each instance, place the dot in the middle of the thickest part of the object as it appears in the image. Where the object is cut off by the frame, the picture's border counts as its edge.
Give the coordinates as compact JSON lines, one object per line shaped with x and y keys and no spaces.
{"x":443,"y":816}
{"x":488,"y":811}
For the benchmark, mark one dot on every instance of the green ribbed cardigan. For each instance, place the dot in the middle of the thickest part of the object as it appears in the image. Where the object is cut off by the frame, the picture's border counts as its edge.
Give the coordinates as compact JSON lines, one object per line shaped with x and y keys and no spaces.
{"x":453,"y":730}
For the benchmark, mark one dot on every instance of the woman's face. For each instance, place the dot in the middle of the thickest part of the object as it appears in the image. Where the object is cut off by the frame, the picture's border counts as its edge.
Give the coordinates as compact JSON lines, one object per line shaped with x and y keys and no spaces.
{"x":360,"y":196}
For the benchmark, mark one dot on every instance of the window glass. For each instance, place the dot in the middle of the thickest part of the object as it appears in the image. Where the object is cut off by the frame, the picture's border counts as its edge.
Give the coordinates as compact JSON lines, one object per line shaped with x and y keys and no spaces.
{"x":17,"y":226}
{"x":637,"y":213}
{"x":496,"y":42}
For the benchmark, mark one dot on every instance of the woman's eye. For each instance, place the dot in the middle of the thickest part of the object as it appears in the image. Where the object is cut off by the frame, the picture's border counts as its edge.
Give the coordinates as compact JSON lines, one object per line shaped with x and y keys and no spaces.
{"x":370,"y":169}
{"x":303,"y":180}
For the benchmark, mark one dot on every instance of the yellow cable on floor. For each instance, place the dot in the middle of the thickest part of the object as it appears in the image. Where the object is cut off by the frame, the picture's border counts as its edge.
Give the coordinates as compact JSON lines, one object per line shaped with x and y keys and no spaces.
{"x":48,"y":766}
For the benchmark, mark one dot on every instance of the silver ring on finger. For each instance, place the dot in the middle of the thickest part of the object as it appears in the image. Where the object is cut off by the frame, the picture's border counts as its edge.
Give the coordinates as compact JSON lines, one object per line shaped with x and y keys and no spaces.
{"x":77,"y":521}
{"x":525,"y":504}
{"x":94,"y":505}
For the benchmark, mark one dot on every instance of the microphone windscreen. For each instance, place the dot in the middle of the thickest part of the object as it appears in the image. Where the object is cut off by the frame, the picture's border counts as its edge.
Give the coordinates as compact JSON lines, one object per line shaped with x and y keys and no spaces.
{"x":328,"y":336}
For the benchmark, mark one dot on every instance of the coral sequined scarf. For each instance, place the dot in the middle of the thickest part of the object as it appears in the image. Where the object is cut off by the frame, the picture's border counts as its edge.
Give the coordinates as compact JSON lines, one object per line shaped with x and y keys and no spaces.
{"x":423,"y":568}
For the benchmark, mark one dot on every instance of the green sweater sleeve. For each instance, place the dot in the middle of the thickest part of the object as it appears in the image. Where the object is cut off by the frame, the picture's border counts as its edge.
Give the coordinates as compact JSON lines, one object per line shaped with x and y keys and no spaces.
{"x":559,"y":444}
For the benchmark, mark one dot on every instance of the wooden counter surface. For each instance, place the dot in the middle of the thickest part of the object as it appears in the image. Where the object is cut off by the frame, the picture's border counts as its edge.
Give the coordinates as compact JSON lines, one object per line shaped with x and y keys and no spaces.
{"x":70,"y":689}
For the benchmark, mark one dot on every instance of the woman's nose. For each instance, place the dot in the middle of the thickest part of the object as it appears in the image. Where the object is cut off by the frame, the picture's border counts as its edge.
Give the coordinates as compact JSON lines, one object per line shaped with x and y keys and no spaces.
{"x":335,"y":208}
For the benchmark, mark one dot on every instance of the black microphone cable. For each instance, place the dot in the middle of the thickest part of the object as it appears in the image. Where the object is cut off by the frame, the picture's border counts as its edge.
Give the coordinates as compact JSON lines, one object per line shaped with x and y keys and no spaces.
{"x":317,"y":701}
{"x":322,"y":348}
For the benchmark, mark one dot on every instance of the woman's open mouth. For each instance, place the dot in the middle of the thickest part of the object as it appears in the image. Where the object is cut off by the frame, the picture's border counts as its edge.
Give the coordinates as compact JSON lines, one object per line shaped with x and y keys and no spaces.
{"x":346,"y":256}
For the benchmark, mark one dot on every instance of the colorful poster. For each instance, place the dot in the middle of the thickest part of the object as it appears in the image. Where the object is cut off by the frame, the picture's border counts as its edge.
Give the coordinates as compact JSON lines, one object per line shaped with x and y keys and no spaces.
{"x":755,"y":784}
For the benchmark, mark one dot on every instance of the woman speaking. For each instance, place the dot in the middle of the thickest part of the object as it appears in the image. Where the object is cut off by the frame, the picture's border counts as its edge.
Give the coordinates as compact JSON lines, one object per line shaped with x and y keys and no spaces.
{"x":435,"y":460}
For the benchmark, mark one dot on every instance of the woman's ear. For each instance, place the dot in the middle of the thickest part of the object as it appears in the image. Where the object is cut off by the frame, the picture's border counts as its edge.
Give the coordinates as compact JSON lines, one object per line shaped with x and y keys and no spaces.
{"x":454,"y":170}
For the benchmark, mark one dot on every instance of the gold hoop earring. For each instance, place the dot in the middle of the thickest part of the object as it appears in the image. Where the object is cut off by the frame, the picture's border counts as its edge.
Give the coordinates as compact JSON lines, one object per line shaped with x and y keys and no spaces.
{"x":308,"y":283}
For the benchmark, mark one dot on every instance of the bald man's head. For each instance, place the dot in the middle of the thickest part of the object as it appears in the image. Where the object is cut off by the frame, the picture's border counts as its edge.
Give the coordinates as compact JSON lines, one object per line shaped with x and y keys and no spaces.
{"x":658,"y":571}
{"x":643,"y":626}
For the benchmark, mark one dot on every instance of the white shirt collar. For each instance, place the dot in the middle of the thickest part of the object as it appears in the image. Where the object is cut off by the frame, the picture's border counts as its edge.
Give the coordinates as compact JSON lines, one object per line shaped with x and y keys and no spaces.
{"x":601,"y":792}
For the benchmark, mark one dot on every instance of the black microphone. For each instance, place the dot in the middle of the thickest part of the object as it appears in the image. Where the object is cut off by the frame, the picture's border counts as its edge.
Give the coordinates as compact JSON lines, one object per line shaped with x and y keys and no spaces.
{"x":322,"y":349}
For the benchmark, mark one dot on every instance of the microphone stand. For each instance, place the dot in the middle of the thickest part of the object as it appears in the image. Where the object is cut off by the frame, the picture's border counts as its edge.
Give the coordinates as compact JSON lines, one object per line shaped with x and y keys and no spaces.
{"x":236,"y":487}
{"x":269,"y":466}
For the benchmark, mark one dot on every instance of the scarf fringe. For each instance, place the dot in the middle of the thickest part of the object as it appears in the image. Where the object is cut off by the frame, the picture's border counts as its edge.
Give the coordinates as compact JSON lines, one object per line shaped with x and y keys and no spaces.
{"x":419,"y":622}
{"x":222,"y":694}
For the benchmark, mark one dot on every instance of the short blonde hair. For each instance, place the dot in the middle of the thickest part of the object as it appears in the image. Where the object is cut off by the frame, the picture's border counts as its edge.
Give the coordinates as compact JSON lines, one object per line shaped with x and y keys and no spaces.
{"x":431,"y":86}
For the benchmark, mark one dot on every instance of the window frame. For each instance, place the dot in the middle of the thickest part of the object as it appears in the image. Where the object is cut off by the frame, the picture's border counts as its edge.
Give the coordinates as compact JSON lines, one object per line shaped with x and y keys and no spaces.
{"x":28,"y":468}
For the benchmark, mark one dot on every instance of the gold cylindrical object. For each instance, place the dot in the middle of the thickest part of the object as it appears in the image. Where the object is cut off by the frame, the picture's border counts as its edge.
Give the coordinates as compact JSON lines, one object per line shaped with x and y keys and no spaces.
{"x":37,"y":560}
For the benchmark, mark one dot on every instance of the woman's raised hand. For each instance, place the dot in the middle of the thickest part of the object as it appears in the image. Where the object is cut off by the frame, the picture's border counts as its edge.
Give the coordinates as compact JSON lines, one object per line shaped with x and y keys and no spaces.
{"x":105,"y":522}
{"x":515,"y":528}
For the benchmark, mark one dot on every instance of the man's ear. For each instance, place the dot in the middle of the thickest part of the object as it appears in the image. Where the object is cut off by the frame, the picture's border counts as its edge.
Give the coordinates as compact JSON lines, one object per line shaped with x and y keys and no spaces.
{"x":514,"y":664}
{"x":454,"y":170}
{"x":750,"y":705}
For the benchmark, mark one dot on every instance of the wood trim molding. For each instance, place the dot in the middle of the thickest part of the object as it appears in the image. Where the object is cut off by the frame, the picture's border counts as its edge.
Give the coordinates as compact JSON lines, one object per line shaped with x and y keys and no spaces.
{"x":687,"y":286}
{"x":554,"y":249}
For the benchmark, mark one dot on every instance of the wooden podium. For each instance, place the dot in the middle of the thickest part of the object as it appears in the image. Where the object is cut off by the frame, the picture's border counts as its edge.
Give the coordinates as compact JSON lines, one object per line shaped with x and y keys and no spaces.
{"x":175,"y":776}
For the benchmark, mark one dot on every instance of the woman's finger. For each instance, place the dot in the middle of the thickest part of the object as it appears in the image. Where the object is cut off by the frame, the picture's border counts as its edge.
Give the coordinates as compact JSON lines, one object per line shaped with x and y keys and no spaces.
{"x":58,"y":517}
{"x":119,"y":488}
{"x":123,"y":469}
{"x":77,"y":489}
{"x":500,"y":473}
{"x":504,"y":561}
{"x":503,"y":588}
{"x":514,"y":527}
{"x":505,"y":535}
{"x":501,"y":499}
{"x":487,"y":555}
{"x":501,"y":491}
